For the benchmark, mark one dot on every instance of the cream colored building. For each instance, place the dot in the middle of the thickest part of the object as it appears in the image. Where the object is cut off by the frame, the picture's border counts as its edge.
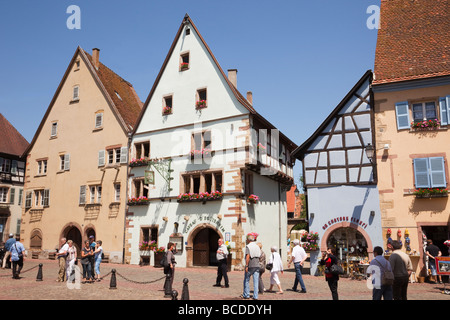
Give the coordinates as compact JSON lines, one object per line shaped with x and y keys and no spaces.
{"x":412,"y":120}
{"x":75,"y":180}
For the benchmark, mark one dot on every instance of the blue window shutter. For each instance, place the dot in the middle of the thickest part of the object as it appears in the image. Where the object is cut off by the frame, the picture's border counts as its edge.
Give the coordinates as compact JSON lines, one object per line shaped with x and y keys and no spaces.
{"x":421,"y":173}
{"x":437,"y":172}
{"x":447,"y":102}
{"x":402,"y":113}
{"x":444,"y":111}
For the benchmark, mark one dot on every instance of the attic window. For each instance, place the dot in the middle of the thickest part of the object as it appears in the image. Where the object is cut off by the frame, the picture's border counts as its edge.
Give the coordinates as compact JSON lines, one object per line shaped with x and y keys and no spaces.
{"x":76,"y":93}
{"x":184,"y":61}
{"x":201,"y":101}
{"x":77,"y":65}
{"x":188,"y":31}
{"x":167,"y":105}
{"x":117,"y":94}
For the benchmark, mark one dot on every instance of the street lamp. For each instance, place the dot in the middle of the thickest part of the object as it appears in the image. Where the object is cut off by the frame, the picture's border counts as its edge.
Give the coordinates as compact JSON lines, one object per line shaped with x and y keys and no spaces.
{"x":369,"y":152}
{"x":296,"y":192}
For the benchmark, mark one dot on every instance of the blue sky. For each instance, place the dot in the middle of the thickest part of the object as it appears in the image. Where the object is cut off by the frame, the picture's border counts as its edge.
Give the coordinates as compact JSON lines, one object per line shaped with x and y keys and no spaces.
{"x":298,"y":57}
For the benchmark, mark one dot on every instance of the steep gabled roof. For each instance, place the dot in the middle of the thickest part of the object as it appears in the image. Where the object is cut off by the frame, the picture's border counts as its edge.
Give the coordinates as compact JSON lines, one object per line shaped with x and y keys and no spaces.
{"x":300,"y":151}
{"x":235,"y":91}
{"x":413,"y":40}
{"x":12,"y":142}
{"x":126,"y":108}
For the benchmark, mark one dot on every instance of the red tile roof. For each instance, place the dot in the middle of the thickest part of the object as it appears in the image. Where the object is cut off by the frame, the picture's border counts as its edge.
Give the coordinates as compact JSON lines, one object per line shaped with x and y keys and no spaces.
{"x":413,"y":40}
{"x":11,"y":142}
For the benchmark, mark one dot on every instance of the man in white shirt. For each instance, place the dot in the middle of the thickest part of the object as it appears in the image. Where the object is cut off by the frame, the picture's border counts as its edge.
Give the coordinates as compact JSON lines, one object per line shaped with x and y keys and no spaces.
{"x":61,"y":255}
{"x":222,"y":268}
{"x":298,"y":257}
{"x":378,"y":266}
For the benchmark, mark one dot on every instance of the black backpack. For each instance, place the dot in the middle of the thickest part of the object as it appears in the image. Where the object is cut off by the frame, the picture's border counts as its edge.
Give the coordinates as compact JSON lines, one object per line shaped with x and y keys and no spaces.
{"x":163,"y":261}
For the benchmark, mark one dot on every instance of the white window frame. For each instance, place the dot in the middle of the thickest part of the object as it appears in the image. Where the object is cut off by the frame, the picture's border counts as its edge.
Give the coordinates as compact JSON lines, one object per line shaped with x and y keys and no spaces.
{"x":4,"y":194}
{"x":76,"y":93}
{"x":424,"y":110}
{"x":99,"y":120}
{"x":117,"y":192}
{"x":54,"y":130}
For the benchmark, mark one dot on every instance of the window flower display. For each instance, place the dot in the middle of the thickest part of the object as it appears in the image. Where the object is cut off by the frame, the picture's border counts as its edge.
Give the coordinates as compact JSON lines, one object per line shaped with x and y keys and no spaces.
{"x":252,"y":198}
{"x":310,"y":241}
{"x":430,"y":192}
{"x":426,"y":124}
{"x":139,"y":162}
{"x":200,"y":104}
{"x":138,"y":201}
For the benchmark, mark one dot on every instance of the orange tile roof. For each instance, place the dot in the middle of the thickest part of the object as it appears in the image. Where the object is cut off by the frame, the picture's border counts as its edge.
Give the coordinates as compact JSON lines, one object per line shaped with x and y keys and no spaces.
{"x":12,"y":142}
{"x":413,"y":40}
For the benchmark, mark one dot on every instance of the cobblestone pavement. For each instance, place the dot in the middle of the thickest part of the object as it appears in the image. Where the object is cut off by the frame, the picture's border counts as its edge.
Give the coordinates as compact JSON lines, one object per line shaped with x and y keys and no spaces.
{"x":146,"y":283}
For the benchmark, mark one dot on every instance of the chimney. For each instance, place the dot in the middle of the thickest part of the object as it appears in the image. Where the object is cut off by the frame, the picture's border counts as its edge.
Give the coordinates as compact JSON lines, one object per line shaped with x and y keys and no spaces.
{"x":250,"y":97}
{"x":96,"y":57}
{"x":232,"y":76}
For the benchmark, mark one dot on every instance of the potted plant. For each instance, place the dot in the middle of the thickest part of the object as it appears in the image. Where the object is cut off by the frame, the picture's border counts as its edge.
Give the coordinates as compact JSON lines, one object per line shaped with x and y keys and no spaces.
{"x":201,"y":104}
{"x":138,"y":201}
{"x":158,"y":255}
{"x":430,"y":124}
{"x":184,"y":65}
{"x":430,"y":192}
{"x":310,"y":241}
{"x":139,"y":162}
{"x":252,"y":199}
{"x":167,"y":110}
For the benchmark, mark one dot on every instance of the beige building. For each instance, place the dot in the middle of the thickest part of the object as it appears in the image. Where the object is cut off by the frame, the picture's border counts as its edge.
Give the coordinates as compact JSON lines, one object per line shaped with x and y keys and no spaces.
{"x":75,"y":180}
{"x":412,"y":119}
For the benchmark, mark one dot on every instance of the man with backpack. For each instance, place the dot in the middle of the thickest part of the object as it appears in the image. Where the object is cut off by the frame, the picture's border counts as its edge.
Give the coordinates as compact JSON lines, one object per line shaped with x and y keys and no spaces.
{"x":168,"y":262}
{"x":17,"y":252}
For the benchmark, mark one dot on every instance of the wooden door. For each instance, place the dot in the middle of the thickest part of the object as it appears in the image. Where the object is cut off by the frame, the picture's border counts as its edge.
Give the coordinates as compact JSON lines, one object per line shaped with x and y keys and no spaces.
{"x":201,"y":248}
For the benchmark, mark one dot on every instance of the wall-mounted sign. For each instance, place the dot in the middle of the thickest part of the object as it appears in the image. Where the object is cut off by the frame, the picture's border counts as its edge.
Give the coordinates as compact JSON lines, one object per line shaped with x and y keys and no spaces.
{"x":352,"y":220}
{"x":443,"y":265}
{"x":149,"y":177}
{"x":178,"y":240}
{"x":208,"y":219}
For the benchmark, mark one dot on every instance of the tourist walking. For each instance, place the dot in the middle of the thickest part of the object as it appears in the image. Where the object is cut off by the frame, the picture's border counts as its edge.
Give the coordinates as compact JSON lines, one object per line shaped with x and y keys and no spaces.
{"x":433,"y":251}
{"x":252,"y":254}
{"x":380,"y":290}
{"x":222,"y":268}
{"x":329,"y":259}
{"x":401,"y":267}
{"x":98,"y":258}
{"x":70,"y":260}
{"x":262,"y":269}
{"x":61,"y":255}
{"x":298,"y":257}
{"x":169,"y":269}
{"x":8,"y":244}
{"x":277,"y":267}
{"x":86,"y":254}
{"x":17,"y":251}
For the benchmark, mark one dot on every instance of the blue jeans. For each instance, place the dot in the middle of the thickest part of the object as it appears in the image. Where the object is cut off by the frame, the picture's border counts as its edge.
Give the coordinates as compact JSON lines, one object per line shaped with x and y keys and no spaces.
{"x":298,"y":277}
{"x":384,"y":292}
{"x":97,"y":265}
{"x":255,"y":273}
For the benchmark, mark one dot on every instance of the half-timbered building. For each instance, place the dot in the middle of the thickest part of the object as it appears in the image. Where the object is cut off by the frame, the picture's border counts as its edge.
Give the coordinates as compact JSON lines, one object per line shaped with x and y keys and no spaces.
{"x":340,"y":179}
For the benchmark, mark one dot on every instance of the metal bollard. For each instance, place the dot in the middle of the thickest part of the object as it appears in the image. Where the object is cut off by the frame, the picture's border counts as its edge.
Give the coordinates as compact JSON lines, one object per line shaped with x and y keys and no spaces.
{"x":185,"y":292}
{"x":167,"y":287}
{"x":112,"y":283}
{"x":174,"y":295}
{"x":39,"y":274}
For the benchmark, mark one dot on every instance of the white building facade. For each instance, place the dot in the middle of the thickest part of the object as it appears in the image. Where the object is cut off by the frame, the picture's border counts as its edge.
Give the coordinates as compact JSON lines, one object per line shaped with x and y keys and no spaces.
{"x":195,"y":162}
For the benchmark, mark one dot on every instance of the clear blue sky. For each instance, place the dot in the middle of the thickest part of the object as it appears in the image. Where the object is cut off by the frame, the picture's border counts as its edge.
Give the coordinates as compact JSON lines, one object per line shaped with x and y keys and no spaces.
{"x":298,"y":57}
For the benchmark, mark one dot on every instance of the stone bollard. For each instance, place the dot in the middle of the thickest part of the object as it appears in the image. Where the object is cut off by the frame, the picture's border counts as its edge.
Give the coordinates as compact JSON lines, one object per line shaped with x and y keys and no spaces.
{"x":185,"y":292}
{"x":39,"y":274}
{"x":167,"y":287}
{"x":112,"y":283}
{"x":174,"y":295}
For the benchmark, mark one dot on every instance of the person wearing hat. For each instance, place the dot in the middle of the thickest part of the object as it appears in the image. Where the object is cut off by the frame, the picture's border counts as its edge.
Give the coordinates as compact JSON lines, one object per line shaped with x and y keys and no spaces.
{"x":8,"y":245}
{"x":298,"y":257}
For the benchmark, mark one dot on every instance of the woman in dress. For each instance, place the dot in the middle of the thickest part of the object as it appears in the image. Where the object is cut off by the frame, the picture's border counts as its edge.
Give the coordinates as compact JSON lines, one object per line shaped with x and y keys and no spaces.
{"x":277,"y":267}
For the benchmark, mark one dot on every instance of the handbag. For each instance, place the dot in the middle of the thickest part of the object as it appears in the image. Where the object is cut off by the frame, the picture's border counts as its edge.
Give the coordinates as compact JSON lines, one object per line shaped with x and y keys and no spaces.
{"x":336,"y":269}
{"x":269,"y":266}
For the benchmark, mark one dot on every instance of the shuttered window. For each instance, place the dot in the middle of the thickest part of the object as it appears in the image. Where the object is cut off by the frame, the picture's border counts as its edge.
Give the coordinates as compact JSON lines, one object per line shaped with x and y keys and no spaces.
{"x":402,"y":113}
{"x":429,"y":173}
{"x":82,"y":195}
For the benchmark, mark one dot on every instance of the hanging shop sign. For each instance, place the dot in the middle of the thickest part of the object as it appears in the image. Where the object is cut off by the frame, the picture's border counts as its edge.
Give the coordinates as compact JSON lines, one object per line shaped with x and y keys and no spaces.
{"x":149,"y":177}
{"x":352,"y":220}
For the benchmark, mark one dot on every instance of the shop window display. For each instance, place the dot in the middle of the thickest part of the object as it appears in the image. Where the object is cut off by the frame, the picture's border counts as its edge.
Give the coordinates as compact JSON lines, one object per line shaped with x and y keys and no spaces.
{"x":351,"y":249}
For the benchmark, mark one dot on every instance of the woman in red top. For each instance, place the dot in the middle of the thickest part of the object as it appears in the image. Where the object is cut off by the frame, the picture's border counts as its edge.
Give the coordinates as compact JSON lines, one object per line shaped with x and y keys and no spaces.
{"x":328,"y":259}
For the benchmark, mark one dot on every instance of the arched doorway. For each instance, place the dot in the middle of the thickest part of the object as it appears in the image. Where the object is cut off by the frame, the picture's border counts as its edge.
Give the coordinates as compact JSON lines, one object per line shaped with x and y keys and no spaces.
{"x":205,"y":247}
{"x":74,"y":234}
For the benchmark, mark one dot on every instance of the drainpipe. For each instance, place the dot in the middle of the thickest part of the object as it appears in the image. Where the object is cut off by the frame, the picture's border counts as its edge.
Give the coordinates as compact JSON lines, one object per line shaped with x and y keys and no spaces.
{"x":126,"y":198}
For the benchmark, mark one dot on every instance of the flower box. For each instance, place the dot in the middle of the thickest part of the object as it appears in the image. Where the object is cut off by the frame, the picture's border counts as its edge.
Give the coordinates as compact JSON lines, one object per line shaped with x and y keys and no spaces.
{"x":252,"y":199}
{"x":201,"y":104}
{"x":310,"y":241}
{"x":184,"y":66}
{"x":200,"y":153}
{"x":431,"y":193}
{"x":431,"y":124}
{"x":138,"y":201}
{"x":200,"y":197}
{"x":167,"y":110}
{"x":139,"y":162}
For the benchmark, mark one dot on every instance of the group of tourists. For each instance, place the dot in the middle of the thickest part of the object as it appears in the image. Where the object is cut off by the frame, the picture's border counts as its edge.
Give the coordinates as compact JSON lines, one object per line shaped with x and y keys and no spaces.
{"x":91,"y":257}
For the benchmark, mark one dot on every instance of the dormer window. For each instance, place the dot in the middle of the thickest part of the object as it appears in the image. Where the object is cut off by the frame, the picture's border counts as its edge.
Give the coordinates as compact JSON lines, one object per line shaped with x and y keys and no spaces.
{"x":184,"y":61}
